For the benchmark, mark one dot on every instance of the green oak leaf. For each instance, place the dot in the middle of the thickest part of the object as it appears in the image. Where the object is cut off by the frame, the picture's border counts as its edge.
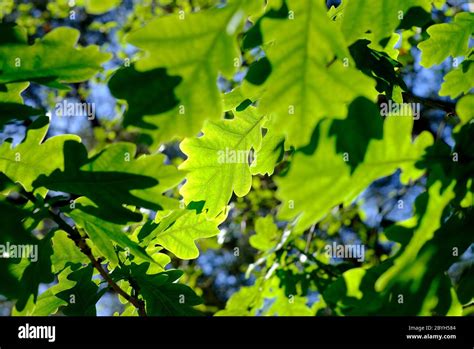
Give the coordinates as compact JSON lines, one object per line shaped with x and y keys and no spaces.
{"x":380,"y":17}
{"x":85,"y":293}
{"x":265,"y":298}
{"x":11,"y":104}
{"x":177,"y":231}
{"x":12,"y":92}
{"x":458,"y":81}
{"x":13,"y":232}
{"x":142,"y":234}
{"x":48,"y":303}
{"x":163,"y":295}
{"x":346,"y":290}
{"x":465,"y":109}
{"x":16,"y":111}
{"x":245,"y":302}
{"x":114,"y":177}
{"x":41,"y":63}
{"x":465,"y":284}
{"x":37,"y":272}
{"x":105,"y":234}
{"x":379,"y":65}
{"x":218,"y":161}
{"x":447,"y":39}
{"x":33,"y":157}
{"x":99,"y":7}
{"x":418,"y":269}
{"x":232,"y":99}
{"x":196,"y":47}
{"x":147,"y":93}
{"x":322,"y":178}
{"x":270,"y":153}
{"x":442,"y":157}
{"x":289,"y":306}
{"x":65,"y":252}
{"x":308,"y":58}
{"x":425,"y":231}
{"x":266,"y":234}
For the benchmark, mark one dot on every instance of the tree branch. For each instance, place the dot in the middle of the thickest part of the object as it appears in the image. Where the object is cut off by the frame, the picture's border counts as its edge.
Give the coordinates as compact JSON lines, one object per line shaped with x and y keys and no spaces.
{"x":81,"y":243}
{"x":446,"y":106}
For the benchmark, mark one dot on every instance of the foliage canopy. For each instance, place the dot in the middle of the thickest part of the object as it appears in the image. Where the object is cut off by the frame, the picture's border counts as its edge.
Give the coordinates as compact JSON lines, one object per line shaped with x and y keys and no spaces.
{"x":264,"y":117}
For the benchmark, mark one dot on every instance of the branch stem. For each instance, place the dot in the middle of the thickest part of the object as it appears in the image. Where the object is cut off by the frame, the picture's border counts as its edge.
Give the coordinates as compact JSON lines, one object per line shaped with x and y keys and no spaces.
{"x":81,"y":243}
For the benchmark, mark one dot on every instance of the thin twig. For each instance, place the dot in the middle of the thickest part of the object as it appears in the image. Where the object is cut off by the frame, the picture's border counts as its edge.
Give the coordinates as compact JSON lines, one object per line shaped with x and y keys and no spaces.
{"x":310,"y":237}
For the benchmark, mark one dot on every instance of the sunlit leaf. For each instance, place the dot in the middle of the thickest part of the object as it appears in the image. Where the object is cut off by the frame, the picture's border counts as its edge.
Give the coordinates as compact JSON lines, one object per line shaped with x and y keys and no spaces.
{"x":40,"y":63}
{"x":447,"y":39}
{"x":218,"y":162}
